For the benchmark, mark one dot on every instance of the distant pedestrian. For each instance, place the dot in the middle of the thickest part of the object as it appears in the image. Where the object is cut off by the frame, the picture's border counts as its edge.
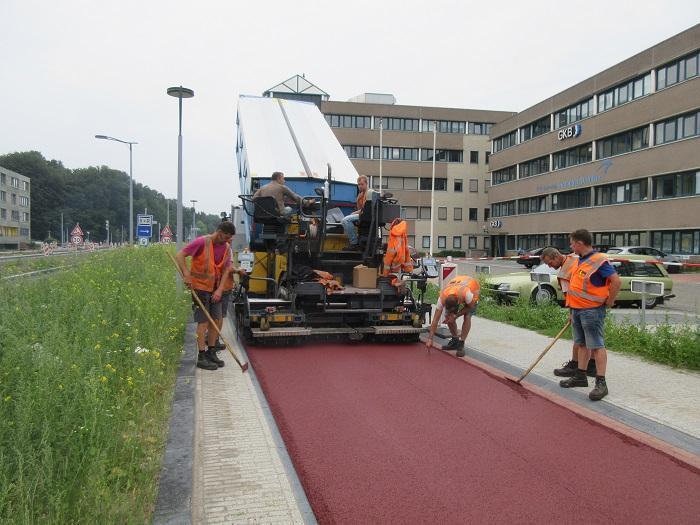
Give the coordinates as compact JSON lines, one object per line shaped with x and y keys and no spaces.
{"x":593,"y":286}
{"x":209,"y":260}
{"x":459,"y":299}
{"x":566,"y":265}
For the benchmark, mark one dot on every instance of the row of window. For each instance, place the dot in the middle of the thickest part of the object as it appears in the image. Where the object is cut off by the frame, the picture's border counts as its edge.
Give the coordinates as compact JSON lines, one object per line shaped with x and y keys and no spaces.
{"x":22,"y":200}
{"x":408,"y":124}
{"x":14,"y":215}
{"x":422,"y":213}
{"x":425,"y":184}
{"x":666,"y":76}
{"x":14,"y":182}
{"x":442,"y":242}
{"x":505,"y":141}
{"x":411,"y":154}
{"x":684,"y":184}
{"x":670,"y":130}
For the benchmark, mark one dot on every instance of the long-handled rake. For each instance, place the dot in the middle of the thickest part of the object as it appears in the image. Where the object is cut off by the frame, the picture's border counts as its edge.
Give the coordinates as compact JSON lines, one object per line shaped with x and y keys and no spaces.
{"x":539,"y":358}
{"x":244,"y":366}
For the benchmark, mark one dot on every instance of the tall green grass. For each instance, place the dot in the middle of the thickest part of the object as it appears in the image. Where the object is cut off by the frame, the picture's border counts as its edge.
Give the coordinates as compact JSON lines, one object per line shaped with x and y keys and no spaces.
{"x":677,"y":346}
{"x":87,"y":365}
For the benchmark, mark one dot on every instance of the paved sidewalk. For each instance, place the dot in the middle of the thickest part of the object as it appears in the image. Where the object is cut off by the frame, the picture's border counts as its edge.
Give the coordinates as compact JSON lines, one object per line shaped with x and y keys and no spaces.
{"x":242,"y":474}
{"x":663,"y":394}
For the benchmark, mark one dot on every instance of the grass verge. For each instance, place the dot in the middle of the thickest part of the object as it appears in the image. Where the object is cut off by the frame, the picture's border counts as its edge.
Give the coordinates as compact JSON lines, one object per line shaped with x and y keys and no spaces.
{"x":677,"y":346}
{"x":88,"y":359}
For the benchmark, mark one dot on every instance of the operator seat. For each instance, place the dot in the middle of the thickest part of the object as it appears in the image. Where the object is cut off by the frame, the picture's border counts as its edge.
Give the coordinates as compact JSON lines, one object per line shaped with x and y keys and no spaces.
{"x":265,"y":212}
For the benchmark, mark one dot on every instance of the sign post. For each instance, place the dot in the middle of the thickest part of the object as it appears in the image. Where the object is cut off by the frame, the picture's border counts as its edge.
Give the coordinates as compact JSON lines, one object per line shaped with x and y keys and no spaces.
{"x":645,"y":288}
{"x":144,"y":228}
{"x":76,"y":235}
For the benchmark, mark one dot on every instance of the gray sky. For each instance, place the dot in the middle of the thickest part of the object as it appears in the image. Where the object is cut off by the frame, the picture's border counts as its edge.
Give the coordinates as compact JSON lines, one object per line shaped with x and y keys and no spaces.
{"x":75,"y":68}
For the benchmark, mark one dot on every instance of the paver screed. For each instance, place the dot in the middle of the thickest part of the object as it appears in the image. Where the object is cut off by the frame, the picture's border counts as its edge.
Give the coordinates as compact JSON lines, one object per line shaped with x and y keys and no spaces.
{"x":394,"y":434}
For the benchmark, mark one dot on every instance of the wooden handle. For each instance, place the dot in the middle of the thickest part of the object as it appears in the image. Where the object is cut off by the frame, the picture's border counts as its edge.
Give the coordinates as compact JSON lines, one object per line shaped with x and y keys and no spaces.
{"x":550,"y":345}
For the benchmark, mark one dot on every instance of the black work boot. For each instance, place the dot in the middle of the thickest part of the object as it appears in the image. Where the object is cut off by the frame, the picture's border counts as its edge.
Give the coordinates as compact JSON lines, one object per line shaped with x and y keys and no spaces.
{"x":578,"y":379}
{"x":453,"y":344}
{"x":591,"y":371}
{"x":460,"y":351}
{"x":213,"y":358}
{"x":568,"y":370}
{"x":204,"y":362}
{"x":599,"y":391}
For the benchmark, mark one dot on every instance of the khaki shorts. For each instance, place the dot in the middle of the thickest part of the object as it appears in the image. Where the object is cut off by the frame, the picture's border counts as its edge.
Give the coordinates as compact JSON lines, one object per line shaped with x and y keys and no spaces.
{"x":213,"y":308}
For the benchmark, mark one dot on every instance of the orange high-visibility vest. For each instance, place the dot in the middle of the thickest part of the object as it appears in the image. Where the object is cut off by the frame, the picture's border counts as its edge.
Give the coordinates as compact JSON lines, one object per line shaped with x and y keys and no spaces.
{"x":566,"y":269}
{"x":459,"y":286}
{"x":397,"y":257}
{"x":204,"y":271}
{"x":582,"y":294}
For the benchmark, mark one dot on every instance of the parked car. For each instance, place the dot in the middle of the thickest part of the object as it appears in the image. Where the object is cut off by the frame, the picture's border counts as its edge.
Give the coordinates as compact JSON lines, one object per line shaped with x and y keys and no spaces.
{"x":507,"y":287}
{"x":674,"y":267}
{"x":531,"y":258}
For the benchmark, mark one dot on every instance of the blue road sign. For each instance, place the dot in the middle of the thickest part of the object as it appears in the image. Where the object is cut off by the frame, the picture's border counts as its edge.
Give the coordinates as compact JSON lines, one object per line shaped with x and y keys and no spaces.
{"x":143,"y":230}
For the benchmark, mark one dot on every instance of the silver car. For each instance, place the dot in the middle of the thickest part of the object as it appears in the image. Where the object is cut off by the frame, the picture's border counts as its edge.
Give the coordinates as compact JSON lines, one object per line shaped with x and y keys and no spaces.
{"x":672,"y":263}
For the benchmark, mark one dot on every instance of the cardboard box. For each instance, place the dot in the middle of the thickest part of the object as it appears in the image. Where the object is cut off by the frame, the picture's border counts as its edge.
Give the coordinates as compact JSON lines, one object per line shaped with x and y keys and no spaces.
{"x":364,"y":277}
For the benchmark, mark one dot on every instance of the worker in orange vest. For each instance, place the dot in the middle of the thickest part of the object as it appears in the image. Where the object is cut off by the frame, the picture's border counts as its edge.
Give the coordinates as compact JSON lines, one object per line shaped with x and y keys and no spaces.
{"x":459,"y":299}
{"x":397,"y":258}
{"x":593,"y":286}
{"x":209,"y":258}
{"x":566,"y":265}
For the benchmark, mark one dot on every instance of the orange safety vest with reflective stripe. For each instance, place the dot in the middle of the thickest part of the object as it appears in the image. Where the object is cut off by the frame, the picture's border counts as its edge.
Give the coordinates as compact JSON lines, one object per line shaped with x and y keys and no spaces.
{"x":566,"y":269}
{"x":397,"y":257}
{"x":204,"y":271}
{"x":459,"y":286}
{"x":582,"y":294}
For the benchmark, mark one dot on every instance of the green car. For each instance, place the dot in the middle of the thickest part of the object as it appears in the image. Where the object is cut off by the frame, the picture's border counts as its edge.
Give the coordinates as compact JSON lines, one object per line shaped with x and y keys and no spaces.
{"x":510,"y":286}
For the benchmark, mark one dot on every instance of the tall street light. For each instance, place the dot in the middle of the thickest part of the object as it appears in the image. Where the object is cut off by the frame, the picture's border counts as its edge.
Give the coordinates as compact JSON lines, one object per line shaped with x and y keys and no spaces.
{"x":131,"y":183}
{"x":194,"y":229}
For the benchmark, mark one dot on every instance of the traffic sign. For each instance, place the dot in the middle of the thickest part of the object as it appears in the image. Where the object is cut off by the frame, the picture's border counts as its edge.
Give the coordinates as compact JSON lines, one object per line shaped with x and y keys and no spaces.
{"x":144,"y":220}
{"x":76,"y":239}
{"x":144,"y":231}
{"x":166,"y":231}
{"x":76,"y":230}
{"x":143,"y":241}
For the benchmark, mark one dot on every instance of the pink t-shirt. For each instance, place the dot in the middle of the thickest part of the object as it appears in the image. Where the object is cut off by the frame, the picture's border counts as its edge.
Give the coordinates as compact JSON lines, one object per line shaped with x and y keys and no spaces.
{"x":195,"y":247}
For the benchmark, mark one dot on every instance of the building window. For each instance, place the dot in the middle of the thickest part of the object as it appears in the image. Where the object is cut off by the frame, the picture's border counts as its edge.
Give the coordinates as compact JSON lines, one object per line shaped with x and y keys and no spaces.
{"x":458,"y":185}
{"x":14,"y":182}
{"x":474,"y":185}
{"x":426,"y":241}
{"x":358,"y":152}
{"x":678,"y":128}
{"x":623,"y":93}
{"x":409,"y":212}
{"x":3,"y":196}
{"x":474,"y":157}
{"x":479,"y":128}
{"x":425,"y":213}
{"x":23,"y":200}
{"x":567,"y":200}
{"x":389,"y":153}
{"x":411,"y":240}
{"x":442,"y":155}
{"x":472,"y":242}
{"x":682,"y":242}
{"x":3,"y":179}
{"x":442,"y":213}
{"x":532,"y":205}
{"x":375,"y":182}
{"x":573,"y":156}
{"x":397,"y":124}
{"x":426,"y":184}
{"x":25,"y":185}
{"x":487,"y":213}
{"x":503,"y":209}
{"x":410,"y":183}
{"x":442,"y":242}
{"x":473,"y":214}
{"x":534,"y":167}
{"x":677,"y":71}
{"x":505,"y":175}
{"x":3,"y":213}
{"x":445,"y":126}
{"x":676,"y":185}
{"x":25,"y":216}
{"x":458,"y":214}
{"x":14,"y":198}
{"x":457,"y":242}
{"x":573,"y":114}
{"x":621,"y":192}
{"x":15,"y":215}
{"x":625,"y":142}
{"x":535,"y":129}
{"x":505,"y":141}
{"x":487,"y":155}
{"x":530,"y":242}
{"x":348,"y":121}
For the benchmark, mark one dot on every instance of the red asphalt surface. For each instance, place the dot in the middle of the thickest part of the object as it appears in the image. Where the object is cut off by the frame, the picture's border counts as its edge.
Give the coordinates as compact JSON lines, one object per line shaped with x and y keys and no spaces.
{"x":392,"y":434}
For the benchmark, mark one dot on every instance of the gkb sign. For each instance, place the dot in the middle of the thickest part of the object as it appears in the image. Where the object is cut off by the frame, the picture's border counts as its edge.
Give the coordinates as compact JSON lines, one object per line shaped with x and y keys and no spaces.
{"x":570,"y":132}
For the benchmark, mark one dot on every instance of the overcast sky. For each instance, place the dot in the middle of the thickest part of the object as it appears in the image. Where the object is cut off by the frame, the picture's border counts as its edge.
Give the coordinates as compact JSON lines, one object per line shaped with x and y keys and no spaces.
{"x":71,"y":69}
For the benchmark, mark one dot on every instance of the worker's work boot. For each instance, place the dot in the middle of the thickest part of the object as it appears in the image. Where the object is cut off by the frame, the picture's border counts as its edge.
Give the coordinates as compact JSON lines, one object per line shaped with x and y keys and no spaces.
{"x":578,"y":379}
{"x":454,"y":344}
{"x":600,"y":390}
{"x":461,"y":352}
{"x":568,"y":370}
{"x":591,"y":371}
{"x":212,"y":357}
{"x":204,"y":362}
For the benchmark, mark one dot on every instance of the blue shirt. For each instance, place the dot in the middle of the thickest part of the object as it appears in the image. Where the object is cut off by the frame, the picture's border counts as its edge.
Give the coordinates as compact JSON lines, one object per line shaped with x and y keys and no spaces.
{"x":602,"y":273}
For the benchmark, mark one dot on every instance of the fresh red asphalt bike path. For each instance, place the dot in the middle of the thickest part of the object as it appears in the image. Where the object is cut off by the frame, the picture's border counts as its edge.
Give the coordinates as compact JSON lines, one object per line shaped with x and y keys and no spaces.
{"x":394,"y":434}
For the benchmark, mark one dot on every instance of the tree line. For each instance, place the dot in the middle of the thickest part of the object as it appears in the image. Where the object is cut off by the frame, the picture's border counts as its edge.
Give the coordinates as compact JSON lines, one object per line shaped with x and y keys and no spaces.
{"x":91,"y":196}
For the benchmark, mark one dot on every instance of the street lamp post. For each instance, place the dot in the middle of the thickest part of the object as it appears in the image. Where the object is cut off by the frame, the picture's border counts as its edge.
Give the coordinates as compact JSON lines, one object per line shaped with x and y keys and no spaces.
{"x":179,"y":93}
{"x":193,"y":230}
{"x":131,"y":183}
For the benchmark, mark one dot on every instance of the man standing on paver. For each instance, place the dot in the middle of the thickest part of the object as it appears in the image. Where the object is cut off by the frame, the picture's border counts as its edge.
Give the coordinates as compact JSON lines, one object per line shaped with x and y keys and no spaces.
{"x":459,"y":299}
{"x":593,"y":286}
{"x":209,"y":255}
{"x":566,"y":265}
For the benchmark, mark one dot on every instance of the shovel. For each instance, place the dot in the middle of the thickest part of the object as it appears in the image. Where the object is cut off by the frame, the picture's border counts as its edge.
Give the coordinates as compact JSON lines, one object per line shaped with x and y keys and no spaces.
{"x":539,"y":358}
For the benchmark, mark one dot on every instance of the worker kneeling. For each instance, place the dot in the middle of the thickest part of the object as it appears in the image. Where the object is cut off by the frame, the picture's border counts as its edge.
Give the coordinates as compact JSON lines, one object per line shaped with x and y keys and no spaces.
{"x":459,"y":299}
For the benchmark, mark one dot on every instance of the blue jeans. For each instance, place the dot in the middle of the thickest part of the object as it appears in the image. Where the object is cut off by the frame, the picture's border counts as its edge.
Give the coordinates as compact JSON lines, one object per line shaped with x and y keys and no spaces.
{"x":589,"y":326}
{"x":348,"y":223}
